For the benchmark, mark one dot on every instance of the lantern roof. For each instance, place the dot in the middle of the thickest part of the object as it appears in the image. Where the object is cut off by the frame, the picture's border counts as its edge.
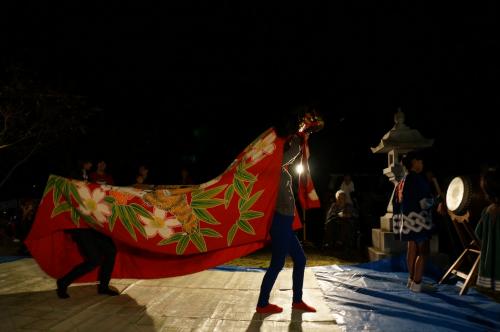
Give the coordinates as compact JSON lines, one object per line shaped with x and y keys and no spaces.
{"x":402,"y":137}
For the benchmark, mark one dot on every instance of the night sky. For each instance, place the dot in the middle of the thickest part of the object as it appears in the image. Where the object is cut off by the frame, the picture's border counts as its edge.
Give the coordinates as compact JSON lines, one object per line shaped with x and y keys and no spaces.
{"x":167,"y":78}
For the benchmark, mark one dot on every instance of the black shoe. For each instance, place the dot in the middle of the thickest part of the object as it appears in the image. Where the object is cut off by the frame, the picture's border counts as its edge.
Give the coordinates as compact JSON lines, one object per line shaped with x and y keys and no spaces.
{"x":107,"y":291}
{"x":61,"y":290}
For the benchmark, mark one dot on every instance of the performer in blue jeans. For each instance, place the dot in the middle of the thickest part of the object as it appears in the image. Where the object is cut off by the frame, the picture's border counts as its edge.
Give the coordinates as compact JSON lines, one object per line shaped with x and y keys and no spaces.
{"x":284,"y":240}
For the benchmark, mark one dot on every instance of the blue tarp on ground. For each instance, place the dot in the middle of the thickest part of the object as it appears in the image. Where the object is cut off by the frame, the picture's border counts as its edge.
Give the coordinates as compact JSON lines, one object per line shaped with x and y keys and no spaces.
{"x":6,"y":259}
{"x":373,"y":296}
{"x":233,"y":268}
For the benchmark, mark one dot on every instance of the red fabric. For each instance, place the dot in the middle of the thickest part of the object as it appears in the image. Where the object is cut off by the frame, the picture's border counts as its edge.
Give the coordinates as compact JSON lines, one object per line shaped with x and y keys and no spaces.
{"x":308,"y":197}
{"x":171,"y":230}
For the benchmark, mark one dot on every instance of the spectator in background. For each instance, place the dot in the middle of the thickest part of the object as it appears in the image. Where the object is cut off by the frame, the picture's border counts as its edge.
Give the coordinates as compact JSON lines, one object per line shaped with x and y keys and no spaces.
{"x":448,"y":240}
{"x":27,"y":217}
{"x":347,"y":186}
{"x":83,"y":171}
{"x":100,"y":175}
{"x":186,"y":178}
{"x":488,"y":232}
{"x":142,"y":180}
{"x":340,"y":221}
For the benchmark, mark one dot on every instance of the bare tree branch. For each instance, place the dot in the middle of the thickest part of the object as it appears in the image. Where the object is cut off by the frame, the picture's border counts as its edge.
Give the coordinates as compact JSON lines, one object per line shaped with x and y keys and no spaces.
{"x":20,"y":162}
{"x":33,"y":115}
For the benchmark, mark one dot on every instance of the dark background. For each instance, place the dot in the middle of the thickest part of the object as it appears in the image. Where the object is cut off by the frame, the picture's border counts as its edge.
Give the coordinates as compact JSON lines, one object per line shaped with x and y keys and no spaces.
{"x":189,"y":84}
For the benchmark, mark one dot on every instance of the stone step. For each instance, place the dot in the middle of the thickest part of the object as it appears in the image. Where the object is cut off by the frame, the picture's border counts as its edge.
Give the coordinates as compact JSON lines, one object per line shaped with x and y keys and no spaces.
{"x":386,"y":241}
{"x":375,"y":255}
{"x":386,"y":222}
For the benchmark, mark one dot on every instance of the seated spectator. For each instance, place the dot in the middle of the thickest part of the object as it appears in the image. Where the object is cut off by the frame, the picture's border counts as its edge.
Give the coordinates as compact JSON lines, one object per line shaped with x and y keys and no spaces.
{"x":340,"y":222}
{"x":347,"y":186}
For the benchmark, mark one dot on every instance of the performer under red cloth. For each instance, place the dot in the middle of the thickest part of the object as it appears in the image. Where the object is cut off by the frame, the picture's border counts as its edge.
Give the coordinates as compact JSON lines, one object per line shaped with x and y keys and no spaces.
{"x":168,"y":231}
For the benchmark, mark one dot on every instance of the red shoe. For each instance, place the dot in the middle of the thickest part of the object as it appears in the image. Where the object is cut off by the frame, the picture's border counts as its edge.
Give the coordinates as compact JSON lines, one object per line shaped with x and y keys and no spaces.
{"x":269,"y":309}
{"x":302,"y":306}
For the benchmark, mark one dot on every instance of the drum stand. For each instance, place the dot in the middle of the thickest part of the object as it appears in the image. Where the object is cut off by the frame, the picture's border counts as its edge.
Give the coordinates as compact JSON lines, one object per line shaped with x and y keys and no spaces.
{"x":472,"y":250}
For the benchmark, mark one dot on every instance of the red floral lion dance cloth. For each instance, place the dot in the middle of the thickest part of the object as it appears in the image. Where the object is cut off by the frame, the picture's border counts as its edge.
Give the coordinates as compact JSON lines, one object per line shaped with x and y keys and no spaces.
{"x":167,"y":231}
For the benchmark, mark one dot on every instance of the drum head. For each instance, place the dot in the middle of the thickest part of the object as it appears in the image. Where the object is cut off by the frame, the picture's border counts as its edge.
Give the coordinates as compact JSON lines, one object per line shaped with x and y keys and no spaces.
{"x":459,"y":195}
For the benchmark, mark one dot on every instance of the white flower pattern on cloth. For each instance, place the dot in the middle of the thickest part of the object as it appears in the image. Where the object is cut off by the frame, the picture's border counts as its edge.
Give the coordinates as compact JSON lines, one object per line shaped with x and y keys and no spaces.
{"x":262,"y":148}
{"x":160,"y":224}
{"x":93,"y":203}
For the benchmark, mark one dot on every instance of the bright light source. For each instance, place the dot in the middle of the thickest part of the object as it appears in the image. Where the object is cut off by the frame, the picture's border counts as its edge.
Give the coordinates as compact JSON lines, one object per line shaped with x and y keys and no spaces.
{"x":299,"y":169}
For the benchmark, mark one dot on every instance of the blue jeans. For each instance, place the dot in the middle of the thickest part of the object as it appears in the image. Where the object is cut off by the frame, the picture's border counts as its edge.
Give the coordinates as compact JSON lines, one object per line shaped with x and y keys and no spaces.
{"x":284,"y":242}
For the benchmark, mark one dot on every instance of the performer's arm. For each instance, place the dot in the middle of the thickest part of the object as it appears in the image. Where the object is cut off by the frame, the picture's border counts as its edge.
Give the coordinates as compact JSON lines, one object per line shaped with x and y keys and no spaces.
{"x":293,"y":149}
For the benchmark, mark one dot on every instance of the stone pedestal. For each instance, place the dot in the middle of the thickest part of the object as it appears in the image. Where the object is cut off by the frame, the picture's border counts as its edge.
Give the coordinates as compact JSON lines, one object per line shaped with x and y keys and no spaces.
{"x":386,"y":241}
{"x":385,"y":245}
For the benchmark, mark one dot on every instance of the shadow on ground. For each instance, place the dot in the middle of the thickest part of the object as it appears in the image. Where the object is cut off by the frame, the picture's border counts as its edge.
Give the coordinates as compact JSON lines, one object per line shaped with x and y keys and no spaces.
{"x":43,"y":310}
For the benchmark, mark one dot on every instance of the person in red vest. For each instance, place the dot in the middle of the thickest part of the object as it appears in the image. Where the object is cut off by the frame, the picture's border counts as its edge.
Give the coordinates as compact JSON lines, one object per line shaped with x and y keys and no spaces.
{"x":100,"y":175}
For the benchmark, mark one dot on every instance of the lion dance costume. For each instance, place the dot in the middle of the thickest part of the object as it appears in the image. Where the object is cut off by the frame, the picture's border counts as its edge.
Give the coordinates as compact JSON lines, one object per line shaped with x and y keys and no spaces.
{"x":169,"y":230}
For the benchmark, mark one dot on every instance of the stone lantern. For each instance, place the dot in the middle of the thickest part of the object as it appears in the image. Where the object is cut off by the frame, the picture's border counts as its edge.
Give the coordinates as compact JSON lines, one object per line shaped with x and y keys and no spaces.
{"x":396,"y":143}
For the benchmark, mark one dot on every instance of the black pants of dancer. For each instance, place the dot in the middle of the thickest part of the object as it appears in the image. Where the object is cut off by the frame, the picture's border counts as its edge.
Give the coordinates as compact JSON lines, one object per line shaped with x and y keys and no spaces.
{"x":97,"y":249}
